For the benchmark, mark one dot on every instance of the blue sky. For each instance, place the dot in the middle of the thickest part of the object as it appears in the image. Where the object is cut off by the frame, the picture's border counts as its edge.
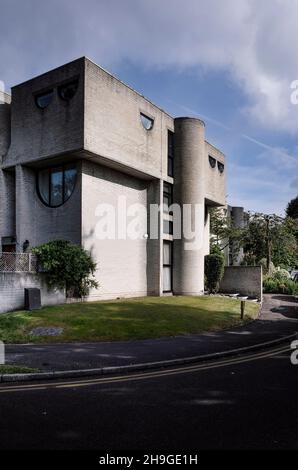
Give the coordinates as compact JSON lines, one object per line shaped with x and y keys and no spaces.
{"x":230,"y":62}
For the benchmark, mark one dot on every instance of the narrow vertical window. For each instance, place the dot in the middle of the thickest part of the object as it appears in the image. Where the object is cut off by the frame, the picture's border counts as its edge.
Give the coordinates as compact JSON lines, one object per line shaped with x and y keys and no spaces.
{"x":167,"y":266}
{"x":170,"y":153}
{"x":167,"y":196}
{"x":167,"y":227}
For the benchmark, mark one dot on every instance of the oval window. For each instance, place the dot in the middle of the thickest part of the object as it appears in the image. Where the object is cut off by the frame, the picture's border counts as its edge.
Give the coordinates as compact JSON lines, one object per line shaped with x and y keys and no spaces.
{"x":43,"y":100}
{"x":146,"y":121}
{"x":56,"y":185}
{"x":220,"y":167}
{"x":212,"y":161}
{"x":68,"y":90}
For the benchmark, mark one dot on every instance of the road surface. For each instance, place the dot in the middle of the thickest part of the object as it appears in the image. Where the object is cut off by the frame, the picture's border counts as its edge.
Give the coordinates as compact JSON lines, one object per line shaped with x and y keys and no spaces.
{"x":242,"y":403}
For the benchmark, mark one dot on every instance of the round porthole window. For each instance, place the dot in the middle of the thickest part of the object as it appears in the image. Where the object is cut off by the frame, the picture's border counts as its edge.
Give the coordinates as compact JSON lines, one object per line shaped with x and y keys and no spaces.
{"x":56,"y":185}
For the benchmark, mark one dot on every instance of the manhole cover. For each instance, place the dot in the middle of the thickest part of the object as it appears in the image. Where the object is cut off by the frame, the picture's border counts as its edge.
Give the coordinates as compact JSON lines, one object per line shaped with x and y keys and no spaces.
{"x":46,"y":331}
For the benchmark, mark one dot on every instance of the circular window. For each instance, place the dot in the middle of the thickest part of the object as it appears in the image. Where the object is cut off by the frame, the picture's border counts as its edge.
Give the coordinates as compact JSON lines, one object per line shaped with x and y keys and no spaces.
{"x":67,"y":91}
{"x":56,"y":185}
{"x":43,"y":100}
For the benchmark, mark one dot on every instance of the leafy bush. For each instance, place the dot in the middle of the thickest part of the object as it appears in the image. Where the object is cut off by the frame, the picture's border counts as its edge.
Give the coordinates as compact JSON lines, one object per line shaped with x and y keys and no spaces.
{"x":281,"y":275}
{"x":66,"y":266}
{"x":214,"y":269}
{"x":277,"y":286}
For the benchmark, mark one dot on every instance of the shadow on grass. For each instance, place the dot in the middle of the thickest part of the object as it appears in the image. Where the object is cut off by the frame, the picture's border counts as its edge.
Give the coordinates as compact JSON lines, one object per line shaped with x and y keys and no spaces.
{"x":126,"y":320}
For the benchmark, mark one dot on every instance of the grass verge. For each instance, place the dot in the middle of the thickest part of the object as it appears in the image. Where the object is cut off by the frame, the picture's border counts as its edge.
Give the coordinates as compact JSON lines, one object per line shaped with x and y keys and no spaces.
{"x":7,"y":369}
{"x":130,"y":319}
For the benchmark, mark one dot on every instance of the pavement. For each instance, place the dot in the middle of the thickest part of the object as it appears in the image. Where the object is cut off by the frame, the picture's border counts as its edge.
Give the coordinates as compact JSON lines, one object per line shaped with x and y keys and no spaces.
{"x":278,"y":320}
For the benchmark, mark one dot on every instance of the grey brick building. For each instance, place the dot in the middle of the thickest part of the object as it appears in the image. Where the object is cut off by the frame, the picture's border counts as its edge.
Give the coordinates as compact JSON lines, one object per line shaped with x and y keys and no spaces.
{"x":77,"y":137}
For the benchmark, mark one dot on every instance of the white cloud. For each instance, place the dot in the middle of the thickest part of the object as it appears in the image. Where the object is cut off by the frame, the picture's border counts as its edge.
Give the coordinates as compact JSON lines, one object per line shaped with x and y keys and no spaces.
{"x":254,"y":41}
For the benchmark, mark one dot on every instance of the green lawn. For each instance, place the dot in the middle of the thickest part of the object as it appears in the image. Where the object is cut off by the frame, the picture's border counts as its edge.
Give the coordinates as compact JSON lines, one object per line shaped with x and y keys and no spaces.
{"x":16,"y":369}
{"x":148,"y":317}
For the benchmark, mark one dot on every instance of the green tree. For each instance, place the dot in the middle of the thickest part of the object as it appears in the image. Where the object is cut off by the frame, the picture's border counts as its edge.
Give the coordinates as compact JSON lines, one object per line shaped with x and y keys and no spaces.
{"x":223,"y":232}
{"x":271,"y":237}
{"x":292,"y":208}
{"x":67,"y":266}
{"x":214,"y":269}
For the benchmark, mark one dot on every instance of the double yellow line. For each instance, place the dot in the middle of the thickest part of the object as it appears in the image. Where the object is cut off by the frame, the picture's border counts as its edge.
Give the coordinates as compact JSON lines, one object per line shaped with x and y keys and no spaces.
{"x":145,"y":375}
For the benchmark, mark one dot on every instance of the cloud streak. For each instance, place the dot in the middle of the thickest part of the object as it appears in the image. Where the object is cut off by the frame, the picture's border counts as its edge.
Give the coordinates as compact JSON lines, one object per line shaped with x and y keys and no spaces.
{"x":252,"y":41}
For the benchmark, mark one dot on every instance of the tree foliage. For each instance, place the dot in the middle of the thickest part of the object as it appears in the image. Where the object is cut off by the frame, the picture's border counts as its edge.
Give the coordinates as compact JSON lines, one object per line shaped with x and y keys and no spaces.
{"x":292,"y":208}
{"x":223,"y":232}
{"x":264,"y":237}
{"x":67,"y":266}
{"x":270,"y":237}
{"x":214,"y":269}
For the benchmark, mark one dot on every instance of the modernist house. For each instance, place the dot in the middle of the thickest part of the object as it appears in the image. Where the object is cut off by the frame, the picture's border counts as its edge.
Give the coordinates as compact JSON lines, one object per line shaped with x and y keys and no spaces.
{"x":76,"y":137}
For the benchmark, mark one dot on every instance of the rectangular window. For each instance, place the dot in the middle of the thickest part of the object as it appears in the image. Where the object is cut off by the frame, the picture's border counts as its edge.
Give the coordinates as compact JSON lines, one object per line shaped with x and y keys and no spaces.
{"x":170,"y":153}
{"x":167,"y":266}
{"x":168,"y":227}
{"x":167,"y":196}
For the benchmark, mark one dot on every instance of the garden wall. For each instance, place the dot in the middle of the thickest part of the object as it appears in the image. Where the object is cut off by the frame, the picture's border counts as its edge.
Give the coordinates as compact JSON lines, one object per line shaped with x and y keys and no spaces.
{"x":12,"y":287}
{"x":245,"y":280}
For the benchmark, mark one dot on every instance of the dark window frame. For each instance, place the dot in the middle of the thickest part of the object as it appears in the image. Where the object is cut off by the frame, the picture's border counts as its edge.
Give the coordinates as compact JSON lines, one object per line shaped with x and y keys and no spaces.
{"x":148,"y":118}
{"x":74,"y":81}
{"x":171,"y":144}
{"x":171,"y":227}
{"x":51,"y":170}
{"x":221,"y":167}
{"x":166,"y":265}
{"x":212,"y":161}
{"x":167,"y":193}
{"x":37,"y":96}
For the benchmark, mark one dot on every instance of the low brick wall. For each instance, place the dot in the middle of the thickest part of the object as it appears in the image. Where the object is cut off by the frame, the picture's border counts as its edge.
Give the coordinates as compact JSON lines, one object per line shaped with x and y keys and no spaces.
{"x":12,"y":287}
{"x":245,"y":280}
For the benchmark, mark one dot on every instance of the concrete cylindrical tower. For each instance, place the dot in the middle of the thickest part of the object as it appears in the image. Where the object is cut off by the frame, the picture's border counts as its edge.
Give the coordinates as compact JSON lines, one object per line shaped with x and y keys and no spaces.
{"x":4,"y":123}
{"x":189,"y":159}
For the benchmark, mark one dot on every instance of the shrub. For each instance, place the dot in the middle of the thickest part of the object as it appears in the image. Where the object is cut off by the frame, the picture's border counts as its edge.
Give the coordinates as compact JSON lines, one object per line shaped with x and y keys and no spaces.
{"x":281,"y":275}
{"x":277,"y":286}
{"x":66,"y":266}
{"x":214,"y":269}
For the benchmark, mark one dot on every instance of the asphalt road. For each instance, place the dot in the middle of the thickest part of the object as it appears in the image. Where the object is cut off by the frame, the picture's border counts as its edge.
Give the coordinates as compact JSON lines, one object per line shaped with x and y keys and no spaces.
{"x":228,"y":405}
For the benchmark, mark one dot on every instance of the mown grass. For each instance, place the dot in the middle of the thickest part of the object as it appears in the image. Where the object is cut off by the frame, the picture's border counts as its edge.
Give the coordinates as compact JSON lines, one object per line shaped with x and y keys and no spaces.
{"x":8,"y":369}
{"x":131,"y":319}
